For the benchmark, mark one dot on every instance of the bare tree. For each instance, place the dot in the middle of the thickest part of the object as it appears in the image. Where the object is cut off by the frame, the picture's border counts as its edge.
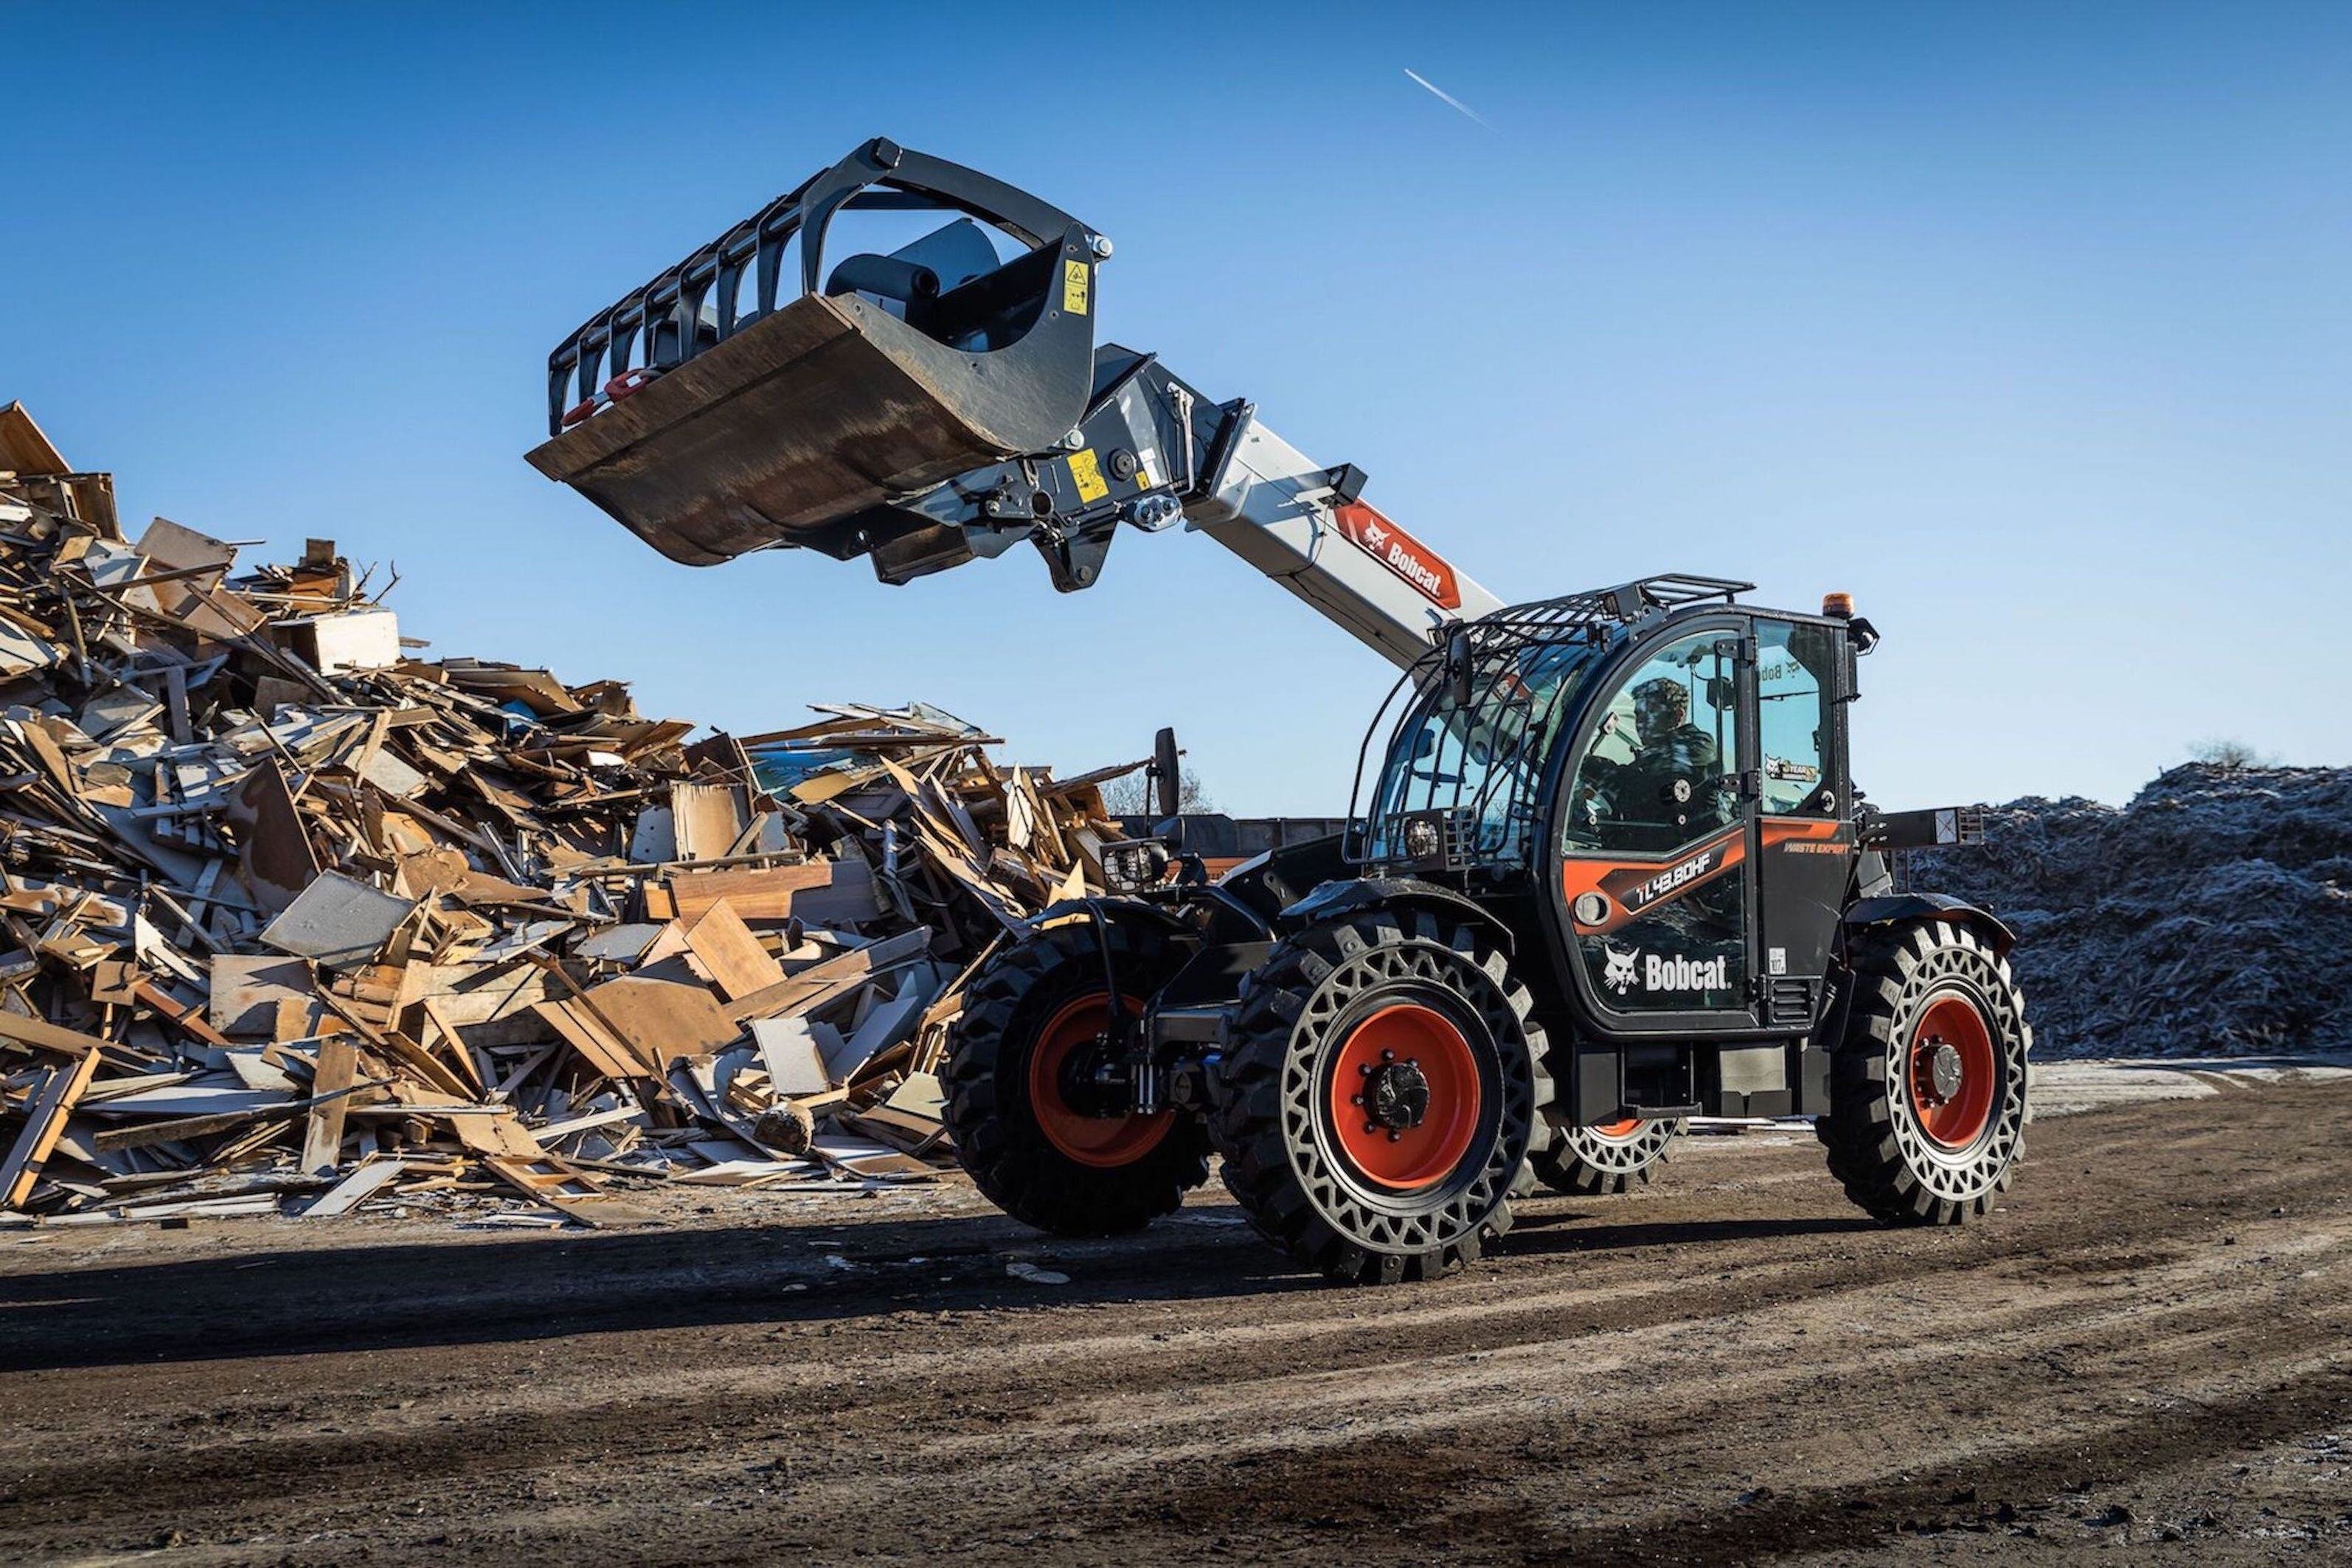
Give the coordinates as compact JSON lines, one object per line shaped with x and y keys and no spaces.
{"x":1129,"y":795}
{"x":2234,"y":755}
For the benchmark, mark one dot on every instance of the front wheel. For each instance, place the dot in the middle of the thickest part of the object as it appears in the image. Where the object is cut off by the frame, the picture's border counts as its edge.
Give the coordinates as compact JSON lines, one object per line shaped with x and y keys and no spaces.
{"x":1927,"y":1087}
{"x":1380,"y":1089}
{"x":1028,"y":1122}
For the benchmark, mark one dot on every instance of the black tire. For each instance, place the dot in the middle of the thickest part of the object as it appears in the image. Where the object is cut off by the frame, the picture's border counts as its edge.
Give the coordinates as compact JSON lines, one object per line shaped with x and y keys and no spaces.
{"x":991,"y":1116}
{"x":1585,"y":1162}
{"x":1273,"y":1100}
{"x":1910,"y":986}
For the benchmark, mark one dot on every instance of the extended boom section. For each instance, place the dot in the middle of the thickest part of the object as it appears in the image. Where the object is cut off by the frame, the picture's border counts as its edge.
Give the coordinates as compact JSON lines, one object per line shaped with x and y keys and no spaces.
{"x":942,"y":402}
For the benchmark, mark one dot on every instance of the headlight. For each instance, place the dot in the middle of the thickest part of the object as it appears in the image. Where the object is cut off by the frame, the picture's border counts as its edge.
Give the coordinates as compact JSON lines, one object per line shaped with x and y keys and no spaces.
{"x":1421,"y":840}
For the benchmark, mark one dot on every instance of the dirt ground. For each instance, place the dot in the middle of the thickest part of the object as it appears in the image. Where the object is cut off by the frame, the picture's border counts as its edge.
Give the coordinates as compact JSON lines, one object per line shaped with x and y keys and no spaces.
{"x":2145,"y":1354}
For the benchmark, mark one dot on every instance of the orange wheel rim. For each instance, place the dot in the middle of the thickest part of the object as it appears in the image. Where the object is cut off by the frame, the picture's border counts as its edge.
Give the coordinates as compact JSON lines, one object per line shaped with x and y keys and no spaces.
{"x":1104,"y":1142}
{"x":1954,"y":1072}
{"x":1405,"y":1097}
{"x":1625,"y":1129}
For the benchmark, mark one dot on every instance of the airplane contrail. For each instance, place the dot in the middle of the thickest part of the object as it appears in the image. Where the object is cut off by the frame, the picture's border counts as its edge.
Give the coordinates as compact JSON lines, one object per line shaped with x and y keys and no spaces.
{"x":1451,"y":100}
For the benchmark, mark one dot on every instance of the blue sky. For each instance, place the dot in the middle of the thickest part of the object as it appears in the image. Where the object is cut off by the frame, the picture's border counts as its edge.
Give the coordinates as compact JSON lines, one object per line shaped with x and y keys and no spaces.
{"x":2031,"y":326}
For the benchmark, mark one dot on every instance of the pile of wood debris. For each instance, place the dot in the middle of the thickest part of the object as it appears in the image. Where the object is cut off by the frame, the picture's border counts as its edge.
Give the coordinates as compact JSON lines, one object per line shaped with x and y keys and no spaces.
{"x":297,"y":921}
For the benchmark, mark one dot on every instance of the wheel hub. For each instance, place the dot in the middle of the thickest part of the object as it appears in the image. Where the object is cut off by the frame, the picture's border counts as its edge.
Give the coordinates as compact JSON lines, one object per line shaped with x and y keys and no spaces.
{"x":1953,"y":1073}
{"x":1405,"y":1097}
{"x":1395,"y":1094}
{"x":1084,"y":1079}
{"x":1079,"y":1111}
{"x":1940,"y":1066}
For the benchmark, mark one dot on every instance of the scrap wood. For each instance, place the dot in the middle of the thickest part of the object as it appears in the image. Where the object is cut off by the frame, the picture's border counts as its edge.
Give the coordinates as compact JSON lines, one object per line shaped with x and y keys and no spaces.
{"x":824,"y":893}
{"x":48,"y":1036}
{"x":180,"y":1130}
{"x":581,"y":1028}
{"x":567,"y":1189}
{"x":364,"y":1182}
{"x":732,"y":956}
{"x":816,"y":986}
{"x":44,"y":1121}
{"x":323,"y":1140}
{"x":284,"y":897}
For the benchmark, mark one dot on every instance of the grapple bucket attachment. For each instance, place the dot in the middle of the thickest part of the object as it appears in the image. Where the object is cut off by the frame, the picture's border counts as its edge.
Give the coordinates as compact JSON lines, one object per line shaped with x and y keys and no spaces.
{"x":712,"y":419}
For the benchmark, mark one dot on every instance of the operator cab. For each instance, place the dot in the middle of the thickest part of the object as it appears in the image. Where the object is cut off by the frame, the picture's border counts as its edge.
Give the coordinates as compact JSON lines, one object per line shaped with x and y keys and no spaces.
{"x":1647,"y":785}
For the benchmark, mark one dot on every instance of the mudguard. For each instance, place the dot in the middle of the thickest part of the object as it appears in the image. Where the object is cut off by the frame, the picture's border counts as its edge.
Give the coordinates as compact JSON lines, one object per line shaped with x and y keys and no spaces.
{"x":1344,"y":898}
{"x":1112,"y":909}
{"x":1894,"y":907}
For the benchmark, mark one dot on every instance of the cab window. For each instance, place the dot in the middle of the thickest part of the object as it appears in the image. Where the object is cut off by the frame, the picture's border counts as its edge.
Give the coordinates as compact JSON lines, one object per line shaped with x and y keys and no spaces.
{"x":1662,"y":770}
{"x":1795,"y":719}
{"x":1485,"y":760}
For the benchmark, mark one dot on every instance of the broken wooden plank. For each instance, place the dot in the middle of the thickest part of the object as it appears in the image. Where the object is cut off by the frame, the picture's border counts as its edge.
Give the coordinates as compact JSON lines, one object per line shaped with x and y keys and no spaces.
{"x":322,"y":1138}
{"x":48,"y":1036}
{"x":824,"y":893}
{"x":370,"y":1178}
{"x":822,"y":982}
{"x":730,"y":953}
{"x":44,"y":1118}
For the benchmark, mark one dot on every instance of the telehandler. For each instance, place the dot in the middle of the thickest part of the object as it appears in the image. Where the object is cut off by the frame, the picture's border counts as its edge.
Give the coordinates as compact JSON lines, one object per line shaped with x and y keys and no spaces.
{"x":1606,"y":867}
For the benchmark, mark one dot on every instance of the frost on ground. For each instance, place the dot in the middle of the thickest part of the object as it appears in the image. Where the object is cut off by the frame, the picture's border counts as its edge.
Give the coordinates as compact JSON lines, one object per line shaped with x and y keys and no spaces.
{"x":2213,"y":916}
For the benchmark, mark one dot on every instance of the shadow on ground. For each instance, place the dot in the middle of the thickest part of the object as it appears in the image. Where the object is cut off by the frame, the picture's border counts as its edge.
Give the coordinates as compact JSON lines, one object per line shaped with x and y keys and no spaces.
{"x":311,"y":1300}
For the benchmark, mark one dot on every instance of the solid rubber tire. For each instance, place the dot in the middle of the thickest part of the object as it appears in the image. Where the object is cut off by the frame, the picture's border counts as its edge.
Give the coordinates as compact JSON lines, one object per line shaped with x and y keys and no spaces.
{"x":997,"y":1137}
{"x":1877,"y":1150}
{"x":1582,"y":1163}
{"x":1294,"y":1016}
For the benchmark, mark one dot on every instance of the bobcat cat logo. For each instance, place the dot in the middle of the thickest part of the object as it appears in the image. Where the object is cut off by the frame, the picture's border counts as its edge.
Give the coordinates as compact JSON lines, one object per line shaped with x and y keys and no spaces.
{"x":1618,"y":975}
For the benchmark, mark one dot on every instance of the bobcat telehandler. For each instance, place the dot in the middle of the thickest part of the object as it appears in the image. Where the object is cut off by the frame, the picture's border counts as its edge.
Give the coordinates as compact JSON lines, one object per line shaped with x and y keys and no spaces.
{"x":1606,"y":870}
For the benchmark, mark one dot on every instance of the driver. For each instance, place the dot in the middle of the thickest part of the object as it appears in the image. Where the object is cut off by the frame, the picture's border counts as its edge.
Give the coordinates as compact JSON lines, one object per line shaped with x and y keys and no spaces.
{"x":1669,"y":751}
{"x":1668,"y":742}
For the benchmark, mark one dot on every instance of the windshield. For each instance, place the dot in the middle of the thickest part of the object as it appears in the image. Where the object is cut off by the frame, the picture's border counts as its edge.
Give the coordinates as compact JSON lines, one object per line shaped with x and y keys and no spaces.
{"x":1482,"y":761}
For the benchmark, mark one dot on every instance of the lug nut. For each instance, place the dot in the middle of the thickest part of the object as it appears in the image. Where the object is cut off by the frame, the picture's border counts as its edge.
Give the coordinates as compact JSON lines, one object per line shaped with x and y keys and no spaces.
{"x":1366,"y":1069}
{"x":1372,"y":1127}
{"x":1357,"y":1100}
{"x":1388,"y":1056}
{"x":1394,"y":1135}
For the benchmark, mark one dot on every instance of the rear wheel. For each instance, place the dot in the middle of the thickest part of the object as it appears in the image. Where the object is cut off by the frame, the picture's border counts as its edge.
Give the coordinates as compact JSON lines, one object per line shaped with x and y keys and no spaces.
{"x":1380,"y":1091}
{"x":1927,"y":1106}
{"x":1023,"y":1105}
{"x":1594,"y":1162}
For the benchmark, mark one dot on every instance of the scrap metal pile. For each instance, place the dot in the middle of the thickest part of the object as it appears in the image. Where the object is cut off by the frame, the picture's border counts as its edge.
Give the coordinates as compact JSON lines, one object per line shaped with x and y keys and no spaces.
{"x":292,"y":919}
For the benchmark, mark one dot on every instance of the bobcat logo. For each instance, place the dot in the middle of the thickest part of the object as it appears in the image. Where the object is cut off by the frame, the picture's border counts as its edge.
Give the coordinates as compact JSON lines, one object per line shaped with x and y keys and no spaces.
{"x":1618,"y":975}
{"x":1375,"y":535}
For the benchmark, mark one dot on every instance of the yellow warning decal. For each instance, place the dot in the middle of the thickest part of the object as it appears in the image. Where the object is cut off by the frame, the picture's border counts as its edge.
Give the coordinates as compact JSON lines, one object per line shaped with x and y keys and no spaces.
{"x":1074,"y":287}
{"x":1087,"y":475}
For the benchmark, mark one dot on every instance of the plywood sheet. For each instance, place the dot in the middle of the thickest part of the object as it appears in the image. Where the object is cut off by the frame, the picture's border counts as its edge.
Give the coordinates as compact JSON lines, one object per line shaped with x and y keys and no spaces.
{"x":730,"y":953}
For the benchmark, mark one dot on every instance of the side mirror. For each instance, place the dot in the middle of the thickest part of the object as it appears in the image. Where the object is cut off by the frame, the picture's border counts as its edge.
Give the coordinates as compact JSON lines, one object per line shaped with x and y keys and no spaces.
{"x":1166,"y":774}
{"x":1460,"y":675}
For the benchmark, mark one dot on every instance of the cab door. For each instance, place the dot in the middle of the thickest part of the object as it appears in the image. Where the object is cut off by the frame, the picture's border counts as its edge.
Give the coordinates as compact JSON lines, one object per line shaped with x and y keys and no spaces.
{"x":1806,"y":839}
{"x":1657,"y":839}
